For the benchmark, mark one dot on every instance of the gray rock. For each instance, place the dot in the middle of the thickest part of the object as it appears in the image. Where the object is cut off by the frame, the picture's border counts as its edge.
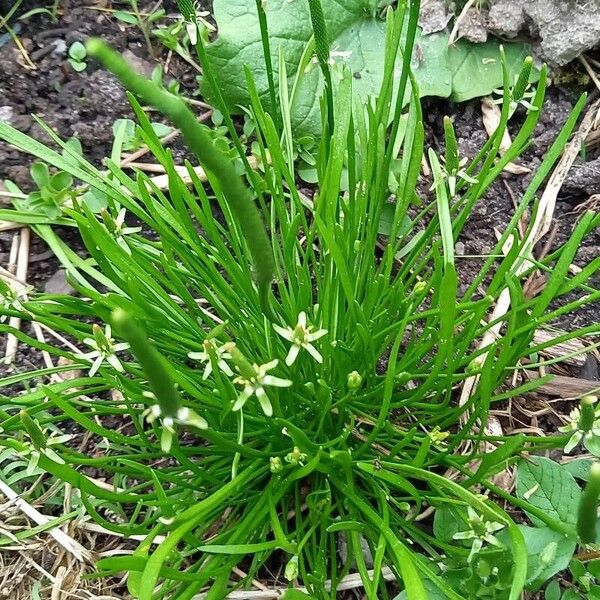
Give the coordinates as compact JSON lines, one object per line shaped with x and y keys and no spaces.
{"x":139,"y":64}
{"x":60,"y":47}
{"x":506,"y":18}
{"x":473,"y":27}
{"x":57,"y":284}
{"x":566,"y":28}
{"x":6,"y":114}
{"x":434,"y":16}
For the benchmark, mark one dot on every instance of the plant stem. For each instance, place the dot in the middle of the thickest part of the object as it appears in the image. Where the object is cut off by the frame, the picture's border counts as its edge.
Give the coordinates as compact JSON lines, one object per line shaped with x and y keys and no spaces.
{"x":235,"y":191}
{"x":264,"y":34}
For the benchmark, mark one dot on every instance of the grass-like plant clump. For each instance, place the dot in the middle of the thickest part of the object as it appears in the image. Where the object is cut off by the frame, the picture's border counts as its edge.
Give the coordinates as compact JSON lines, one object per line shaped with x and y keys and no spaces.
{"x":269,"y":381}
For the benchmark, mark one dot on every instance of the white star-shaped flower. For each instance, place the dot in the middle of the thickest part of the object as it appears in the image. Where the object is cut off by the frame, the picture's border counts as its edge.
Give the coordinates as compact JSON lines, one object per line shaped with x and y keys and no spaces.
{"x":301,"y":337}
{"x":104,"y":349}
{"x":254,"y":385}
{"x":220,"y":355}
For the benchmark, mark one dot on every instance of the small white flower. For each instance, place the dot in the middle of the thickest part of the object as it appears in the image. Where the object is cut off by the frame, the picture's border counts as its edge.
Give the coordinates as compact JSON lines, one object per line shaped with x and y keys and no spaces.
{"x":479,"y":531}
{"x":454,"y":175}
{"x":184,"y":416}
{"x":117,"y":228}
{"x":333,"y":55}
{"x":301,"y":336}
{"x":295,"y":457}
{"x":104,"y":349}
{"x":120,"y":221}
{"x":578,"y":434}
{"x":254,"y":385}
{"x":438,"y":437}
{"x":198,"y":20}
{"x":220,"y":354}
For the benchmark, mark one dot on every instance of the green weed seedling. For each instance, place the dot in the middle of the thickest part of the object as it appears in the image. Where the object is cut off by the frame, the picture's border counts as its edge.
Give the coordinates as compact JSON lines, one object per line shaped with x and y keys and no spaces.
{"x":144,"y":21}
{"x":290,"y":361}
{"x":76,"y":56}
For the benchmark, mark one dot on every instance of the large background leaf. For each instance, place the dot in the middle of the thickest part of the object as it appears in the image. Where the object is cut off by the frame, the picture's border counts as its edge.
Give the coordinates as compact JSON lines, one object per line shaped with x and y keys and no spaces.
{"x":550,"y":487}
{"x":459,"y":72}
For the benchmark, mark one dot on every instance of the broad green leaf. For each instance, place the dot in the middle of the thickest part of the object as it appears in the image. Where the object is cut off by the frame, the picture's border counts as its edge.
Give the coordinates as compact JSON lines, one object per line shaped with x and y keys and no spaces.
{"x":357,"y":40}
{"x":77,"y":65}
{"x":433,"y":593}
{"x":446,"y":524}
{"x":548,"y":552}
{"x":476,"y":68}
{"x":126,"y":17}
{"x":579,"y":468}
{"x":77,"y":51}
{"x":552,"y":591}
{"x":386,"y":221}
{"x":40,"y":174}
{"x":549,"y":487}
{"x":95,"y":200}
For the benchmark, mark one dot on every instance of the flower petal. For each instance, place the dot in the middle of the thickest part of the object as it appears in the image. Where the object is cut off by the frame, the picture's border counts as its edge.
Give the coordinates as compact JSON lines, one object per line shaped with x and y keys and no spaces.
{"x":166,"y":439}
{"x":207,"y":370}
{"x":573,"y":441}
{"x":314,"y":353}
{"x":292,"y":355}
{"x":225,"y":368}
{"x":284,"y":332}
{"x":95,"y":366}
{"x":33,"y":462}
{"x":243,"y":398}
{"x":316,"y":335}
{"x":265,"y":403}
{"x":115,"y":363}
{"x":302,"y":320}
{"x":276,"y":381}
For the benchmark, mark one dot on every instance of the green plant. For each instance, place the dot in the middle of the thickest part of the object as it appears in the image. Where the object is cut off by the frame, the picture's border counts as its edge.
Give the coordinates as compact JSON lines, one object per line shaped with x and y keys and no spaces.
{"x":55,"y":191}
{"x":145,"y":21}
{"x":357,"y":35}
{"x":290,"y":381}
{"x":77,"y":55}
{"x":132,"y":139}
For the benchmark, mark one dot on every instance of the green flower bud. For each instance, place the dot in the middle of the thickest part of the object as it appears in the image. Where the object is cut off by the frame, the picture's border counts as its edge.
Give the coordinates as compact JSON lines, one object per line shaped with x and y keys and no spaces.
{"x":291,"y":569}
{"x":154,"y":365}
{"x":38,"y":439}
{"x":354,"y":380}
{"x":587,"y":412}
{"x":276,"y":466}
{"x":587,"y":515}
{"x":243,"y":365}
{"x":420,"y":287}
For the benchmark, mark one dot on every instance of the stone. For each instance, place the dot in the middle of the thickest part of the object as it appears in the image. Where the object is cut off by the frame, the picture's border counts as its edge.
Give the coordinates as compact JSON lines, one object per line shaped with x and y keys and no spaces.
{"x":6,"y":114}
{"x":506,"y":18}
{"x":57,"y":284}
{"x":472,"y":26}
{"x":60,"y":47}
{"x":434,"y":16}
{"x":139,"y":64}
{"x":565,"y":28}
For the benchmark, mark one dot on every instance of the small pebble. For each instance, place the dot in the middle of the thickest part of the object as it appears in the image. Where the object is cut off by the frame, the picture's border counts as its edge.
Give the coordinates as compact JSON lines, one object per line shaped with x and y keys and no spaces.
{"x":57,"y":284}
{"x":6,"y":114}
